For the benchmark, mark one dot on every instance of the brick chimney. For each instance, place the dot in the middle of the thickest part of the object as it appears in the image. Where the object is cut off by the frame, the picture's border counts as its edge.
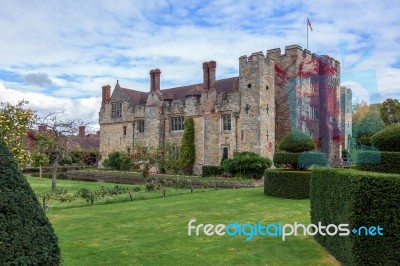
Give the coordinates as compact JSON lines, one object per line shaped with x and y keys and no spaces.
{"x":157,"y":74}
{"x":209,"y":75}
{"x":212,"y":65}
{"x":42,"y":128}
{"x":151,"y":80}
{"x":106,"y":94}
{"x":82,"y":131}
{"x":205,"y":76}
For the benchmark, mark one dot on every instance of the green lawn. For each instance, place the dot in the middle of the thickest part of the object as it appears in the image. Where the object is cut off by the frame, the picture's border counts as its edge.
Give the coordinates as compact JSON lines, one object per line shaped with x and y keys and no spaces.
{"x":154,"y":231}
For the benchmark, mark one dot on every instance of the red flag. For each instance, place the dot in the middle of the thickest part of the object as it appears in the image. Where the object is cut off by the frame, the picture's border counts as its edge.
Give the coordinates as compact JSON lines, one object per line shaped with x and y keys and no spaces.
{"x":309,"y":24}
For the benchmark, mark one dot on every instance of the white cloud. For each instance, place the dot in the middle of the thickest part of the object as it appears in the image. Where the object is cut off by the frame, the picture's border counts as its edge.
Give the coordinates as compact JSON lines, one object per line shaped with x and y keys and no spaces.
{"x":82,"y":45}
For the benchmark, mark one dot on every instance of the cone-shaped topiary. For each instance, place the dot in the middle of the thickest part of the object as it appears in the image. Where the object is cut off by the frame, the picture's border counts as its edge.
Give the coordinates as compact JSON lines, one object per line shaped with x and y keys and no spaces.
{"x":296,"y":141}
{"x":387,"y":139}
{"x":26,"y":235}
{"x":187,"y":154}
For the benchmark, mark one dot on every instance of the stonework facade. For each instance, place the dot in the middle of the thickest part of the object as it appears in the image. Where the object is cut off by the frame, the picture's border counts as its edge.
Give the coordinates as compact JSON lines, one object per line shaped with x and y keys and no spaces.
{"x":273,"y":94}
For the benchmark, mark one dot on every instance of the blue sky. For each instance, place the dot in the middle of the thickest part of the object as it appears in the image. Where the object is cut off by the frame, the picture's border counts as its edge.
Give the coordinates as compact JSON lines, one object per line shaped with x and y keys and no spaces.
{"x":58,"y":54}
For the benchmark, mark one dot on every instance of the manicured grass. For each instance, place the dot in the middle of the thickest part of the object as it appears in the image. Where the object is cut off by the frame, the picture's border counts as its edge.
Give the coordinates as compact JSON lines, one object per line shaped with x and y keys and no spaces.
{"x":154,"y":232}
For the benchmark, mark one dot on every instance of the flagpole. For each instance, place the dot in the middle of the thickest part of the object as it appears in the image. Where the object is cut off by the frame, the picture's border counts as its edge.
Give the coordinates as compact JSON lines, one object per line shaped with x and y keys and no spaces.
{"x":307,"y":32}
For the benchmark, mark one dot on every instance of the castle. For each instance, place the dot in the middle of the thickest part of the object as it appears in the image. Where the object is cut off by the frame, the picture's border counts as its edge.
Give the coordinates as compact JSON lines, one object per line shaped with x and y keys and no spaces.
{"x":273,"y":94}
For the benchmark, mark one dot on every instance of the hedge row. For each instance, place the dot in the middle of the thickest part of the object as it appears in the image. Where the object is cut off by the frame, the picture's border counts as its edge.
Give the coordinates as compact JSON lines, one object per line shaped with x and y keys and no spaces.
{"x":302,"y":160}
{"x":287,"y":184}
{"x":211,"y":170}
{"x":378,"y":161}
{"x":358,"y":198}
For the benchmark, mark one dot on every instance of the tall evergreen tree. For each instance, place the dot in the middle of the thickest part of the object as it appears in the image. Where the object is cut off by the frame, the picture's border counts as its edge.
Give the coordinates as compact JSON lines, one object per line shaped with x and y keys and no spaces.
{"x":26,"y":235}
{"x":187,"y":154}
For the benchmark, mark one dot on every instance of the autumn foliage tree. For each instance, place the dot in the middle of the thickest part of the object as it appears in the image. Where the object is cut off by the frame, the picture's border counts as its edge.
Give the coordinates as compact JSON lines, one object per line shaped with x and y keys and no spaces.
{"x":390,"y":111}
{"x":14,"y":123}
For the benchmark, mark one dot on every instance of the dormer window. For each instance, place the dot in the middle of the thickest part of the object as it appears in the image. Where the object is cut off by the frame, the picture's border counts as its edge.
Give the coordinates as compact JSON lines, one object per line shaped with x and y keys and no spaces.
{"x":116,"y":110}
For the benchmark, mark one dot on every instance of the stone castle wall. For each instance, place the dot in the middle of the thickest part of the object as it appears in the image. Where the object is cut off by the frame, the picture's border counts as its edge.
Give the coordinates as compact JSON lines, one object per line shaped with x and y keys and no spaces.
{"x":274,"y":96}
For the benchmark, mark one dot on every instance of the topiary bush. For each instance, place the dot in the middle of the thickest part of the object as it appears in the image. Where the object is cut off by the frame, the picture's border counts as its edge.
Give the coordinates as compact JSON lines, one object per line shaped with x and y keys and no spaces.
{"x":287,"y":184}
{"x":187,"y":153}
{"x":296,"y":150}
{"x":300,"y":161}
{"x":26,"y":235}
{"x":246,"y":164}
{"x":118,"y":161}
{"x":387,"y":139}
{"x":297,"y":141}
{"x":358,"y":198}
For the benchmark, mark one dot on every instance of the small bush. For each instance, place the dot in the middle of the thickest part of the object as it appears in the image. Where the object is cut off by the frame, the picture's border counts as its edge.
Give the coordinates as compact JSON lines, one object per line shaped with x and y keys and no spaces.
{"x":358,"y":198}
{"x":300,"y":161}
{"x":296,"y":141}
{"x":378,"y":161}
{"x":118,"y":161}
{"x":246,"y":164}
{"x":287,"y":184}
{"x":211,"y":170}
{"x":387,"y":139}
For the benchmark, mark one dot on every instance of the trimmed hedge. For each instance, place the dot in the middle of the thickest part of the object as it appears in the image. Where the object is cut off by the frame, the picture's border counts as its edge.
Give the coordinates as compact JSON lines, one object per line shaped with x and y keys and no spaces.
{"x":387,"y":139}
{"x":210,"y":170}
{"x":296,"y":141}
{"x":26,"y":235}
{"x":378,"y":161}
{"x":287,"y":184}
{"x":358,"y":198}
{"x":300,"y":160}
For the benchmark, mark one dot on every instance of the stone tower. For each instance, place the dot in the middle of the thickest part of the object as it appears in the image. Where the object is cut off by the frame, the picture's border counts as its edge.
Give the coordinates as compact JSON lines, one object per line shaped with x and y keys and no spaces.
{"x":257,"y":104}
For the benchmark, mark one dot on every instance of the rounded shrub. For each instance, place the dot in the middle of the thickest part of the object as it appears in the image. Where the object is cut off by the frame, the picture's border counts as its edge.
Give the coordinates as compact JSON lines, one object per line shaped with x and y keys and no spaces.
{"x":118,"y":161}
{"x":246,"y":164}
{"x":387,"y":139}
{"x":26,"y":235}
{"x":296,"y":141}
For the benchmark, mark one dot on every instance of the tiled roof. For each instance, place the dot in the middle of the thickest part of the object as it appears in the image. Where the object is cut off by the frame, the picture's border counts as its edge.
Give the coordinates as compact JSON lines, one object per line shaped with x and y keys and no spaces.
{"x":179,"y":93}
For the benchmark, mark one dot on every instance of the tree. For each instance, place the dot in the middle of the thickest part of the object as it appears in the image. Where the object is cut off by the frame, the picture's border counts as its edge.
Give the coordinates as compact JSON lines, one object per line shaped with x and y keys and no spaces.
{"x":366,"y":122}
{"x":187,"y":155}
{"x":40,"y":159}
{"x":390,"y":112}
{"x":53,"y":137}
{"x":14,"y":122}
{"x":26,"y":235}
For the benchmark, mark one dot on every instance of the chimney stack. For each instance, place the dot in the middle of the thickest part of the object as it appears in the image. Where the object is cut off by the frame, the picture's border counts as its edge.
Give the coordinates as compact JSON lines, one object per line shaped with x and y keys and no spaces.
{"x":106,"y":94}
{"x":205,"y":76}
{"x":157,"y":74}
{"x":82,"y":131}
{"x":42,"y":128}
{"x":151,"y":80}
{"x":212,"y":65}
{"x":209,"y":75}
